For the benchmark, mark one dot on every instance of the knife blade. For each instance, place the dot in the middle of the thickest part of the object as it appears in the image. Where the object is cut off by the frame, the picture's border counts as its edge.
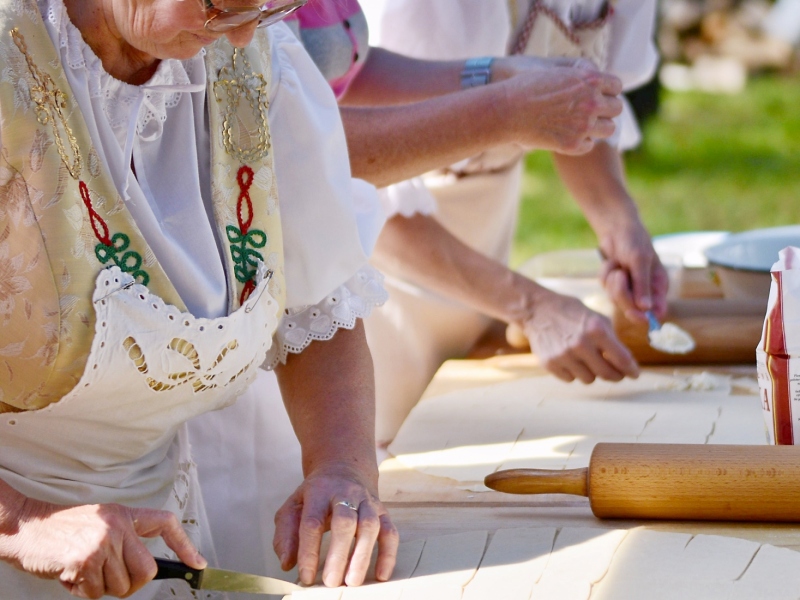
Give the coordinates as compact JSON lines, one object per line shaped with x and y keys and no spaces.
{"x":222,"y":580}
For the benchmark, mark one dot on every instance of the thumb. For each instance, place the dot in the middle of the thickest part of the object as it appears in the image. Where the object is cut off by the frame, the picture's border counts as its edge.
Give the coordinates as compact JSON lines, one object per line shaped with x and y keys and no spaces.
{"x":641,"y":279}
{"x":151,"y":523}
{"x":286,"y":541}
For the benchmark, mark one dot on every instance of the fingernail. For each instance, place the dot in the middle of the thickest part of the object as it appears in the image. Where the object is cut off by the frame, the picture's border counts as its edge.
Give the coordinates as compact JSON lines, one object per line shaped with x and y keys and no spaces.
{"x":200,"y":560}
{"x":307,"y":576}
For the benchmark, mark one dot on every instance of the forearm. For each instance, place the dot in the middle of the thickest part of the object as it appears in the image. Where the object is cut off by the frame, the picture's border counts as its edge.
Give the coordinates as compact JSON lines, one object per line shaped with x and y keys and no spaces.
{"x":329,"y":393}
{"x":632,"y":272}
{"x":431,"y":257}
{"x":11,"y":507}
{"x":389,"y":78}
{"x":596,"y":181}
{"x":390,"y":144}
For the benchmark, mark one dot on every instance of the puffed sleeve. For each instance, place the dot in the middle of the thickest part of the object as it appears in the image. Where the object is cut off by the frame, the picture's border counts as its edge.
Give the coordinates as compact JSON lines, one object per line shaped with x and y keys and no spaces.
{"x":407,"y":198}
{"x":330,"y":220}
{"x":633,"y":58}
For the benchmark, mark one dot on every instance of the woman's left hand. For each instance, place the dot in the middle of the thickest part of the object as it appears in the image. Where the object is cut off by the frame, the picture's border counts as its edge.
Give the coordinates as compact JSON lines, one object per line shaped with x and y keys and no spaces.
{"x":339,"y":498}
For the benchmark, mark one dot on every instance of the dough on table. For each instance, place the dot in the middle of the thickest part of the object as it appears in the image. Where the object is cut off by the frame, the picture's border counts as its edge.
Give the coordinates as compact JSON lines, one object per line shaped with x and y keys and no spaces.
{"x":582,"y":563}
{"x":541,"y":422}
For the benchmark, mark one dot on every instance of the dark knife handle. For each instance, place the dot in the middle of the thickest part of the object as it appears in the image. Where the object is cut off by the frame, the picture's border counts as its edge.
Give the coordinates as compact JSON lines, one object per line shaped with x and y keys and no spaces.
{"x":174,"y":569}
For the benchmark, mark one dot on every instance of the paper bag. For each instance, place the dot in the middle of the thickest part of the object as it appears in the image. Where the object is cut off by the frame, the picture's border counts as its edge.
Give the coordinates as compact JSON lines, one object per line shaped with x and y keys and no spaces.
{"x":778,"y":353}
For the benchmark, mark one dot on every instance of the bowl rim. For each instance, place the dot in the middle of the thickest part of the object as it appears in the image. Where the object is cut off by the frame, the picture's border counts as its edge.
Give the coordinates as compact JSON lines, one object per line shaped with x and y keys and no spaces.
{"x":746,"y":236}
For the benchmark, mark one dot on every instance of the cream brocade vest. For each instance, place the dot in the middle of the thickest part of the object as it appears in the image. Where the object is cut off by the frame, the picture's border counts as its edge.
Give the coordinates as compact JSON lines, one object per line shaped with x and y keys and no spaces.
{"x":543,"y":33}
{"x":62,"y":219}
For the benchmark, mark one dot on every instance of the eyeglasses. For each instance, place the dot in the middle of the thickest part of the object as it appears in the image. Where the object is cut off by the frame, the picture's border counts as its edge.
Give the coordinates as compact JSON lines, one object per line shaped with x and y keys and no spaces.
{"x":228,"y":18}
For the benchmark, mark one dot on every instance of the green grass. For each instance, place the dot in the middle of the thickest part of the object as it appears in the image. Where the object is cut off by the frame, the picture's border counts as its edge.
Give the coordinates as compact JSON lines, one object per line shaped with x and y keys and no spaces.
{"x":708,"y":162}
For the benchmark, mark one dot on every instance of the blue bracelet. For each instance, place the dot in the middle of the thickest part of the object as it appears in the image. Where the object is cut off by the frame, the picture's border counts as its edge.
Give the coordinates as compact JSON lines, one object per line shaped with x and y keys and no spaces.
{"x":477,"y":72}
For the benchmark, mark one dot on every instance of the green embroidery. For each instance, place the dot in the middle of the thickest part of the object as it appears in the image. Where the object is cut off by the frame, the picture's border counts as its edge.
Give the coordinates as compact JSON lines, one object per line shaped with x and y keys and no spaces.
{"x":129,"y":262}
{"x":244,"y":257}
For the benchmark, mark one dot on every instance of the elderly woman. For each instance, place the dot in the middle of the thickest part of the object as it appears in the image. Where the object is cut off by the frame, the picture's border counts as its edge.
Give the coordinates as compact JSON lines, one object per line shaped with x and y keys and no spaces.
{"x":159,"y":241}
{"x":401,"y":120}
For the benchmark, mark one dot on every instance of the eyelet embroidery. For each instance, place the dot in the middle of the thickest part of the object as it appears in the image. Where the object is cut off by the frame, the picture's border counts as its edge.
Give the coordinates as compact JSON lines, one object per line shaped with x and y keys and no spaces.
{"x":200,"y":379}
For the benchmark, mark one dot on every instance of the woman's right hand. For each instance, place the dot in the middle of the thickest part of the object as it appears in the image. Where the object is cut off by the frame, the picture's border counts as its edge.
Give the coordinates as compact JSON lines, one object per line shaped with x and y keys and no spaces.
{"x":565,"y":109}
{"x":93,"y":550}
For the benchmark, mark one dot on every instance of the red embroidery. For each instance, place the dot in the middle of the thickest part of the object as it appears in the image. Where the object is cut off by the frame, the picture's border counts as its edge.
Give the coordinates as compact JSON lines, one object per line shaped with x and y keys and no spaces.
{"x":94,"y":218}
{"x":244,"y":197}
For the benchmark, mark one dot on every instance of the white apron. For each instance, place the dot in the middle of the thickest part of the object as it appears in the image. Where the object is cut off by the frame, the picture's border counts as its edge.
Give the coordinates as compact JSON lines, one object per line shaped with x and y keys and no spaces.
{"x":119,"y":436}
{"x":417,"y":330}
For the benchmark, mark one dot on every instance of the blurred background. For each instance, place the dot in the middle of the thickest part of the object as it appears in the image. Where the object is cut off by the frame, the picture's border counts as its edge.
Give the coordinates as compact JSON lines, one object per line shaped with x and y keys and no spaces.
{"x":721,"y":125}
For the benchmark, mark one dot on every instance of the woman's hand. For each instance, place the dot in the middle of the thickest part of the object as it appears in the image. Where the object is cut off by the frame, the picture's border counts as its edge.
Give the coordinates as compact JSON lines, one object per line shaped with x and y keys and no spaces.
{"x":520,"y":65}
{"x":574,"y":342}
{"x":562,"y":106}
{"x":93,"y":550}
{"x":323,"y":502}
{"x":632,"y":273}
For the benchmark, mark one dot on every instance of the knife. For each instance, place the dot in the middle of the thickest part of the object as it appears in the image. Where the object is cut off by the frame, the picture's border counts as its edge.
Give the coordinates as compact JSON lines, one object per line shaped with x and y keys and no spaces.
{"x":222,"y":580}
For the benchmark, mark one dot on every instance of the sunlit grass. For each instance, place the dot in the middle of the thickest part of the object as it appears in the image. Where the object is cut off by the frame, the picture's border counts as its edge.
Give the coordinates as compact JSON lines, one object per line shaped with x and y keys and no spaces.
{"x":707,"y":162}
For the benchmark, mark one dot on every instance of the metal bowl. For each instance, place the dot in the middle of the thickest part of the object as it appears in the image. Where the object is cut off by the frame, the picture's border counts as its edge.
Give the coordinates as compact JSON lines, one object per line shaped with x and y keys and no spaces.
{"x":743,"y":260}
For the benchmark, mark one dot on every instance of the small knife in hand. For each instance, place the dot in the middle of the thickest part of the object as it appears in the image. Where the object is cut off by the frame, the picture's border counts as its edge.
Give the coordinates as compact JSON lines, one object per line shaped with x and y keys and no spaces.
{"x":221,"y":580}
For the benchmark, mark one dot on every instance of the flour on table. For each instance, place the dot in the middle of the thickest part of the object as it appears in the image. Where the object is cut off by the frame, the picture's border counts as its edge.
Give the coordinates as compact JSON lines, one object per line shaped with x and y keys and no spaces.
{"x":576,"y":563}
{"x":541,"y":422}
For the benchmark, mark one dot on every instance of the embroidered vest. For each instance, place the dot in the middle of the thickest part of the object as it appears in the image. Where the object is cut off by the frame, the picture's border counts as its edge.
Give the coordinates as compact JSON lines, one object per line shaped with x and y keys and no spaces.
{"x":62,"y":219}
{"x":543,"y":33}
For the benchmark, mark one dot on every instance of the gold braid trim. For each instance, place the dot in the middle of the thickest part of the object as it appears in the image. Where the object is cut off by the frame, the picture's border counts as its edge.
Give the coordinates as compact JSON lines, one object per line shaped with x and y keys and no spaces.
{"x":50,"y":104}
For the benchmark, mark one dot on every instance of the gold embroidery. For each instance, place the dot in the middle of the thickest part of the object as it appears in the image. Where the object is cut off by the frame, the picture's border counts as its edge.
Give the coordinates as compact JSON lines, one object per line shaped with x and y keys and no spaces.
{"x":50,"y":104}
{"x":199,"y":380}
{"x":238,"y":82}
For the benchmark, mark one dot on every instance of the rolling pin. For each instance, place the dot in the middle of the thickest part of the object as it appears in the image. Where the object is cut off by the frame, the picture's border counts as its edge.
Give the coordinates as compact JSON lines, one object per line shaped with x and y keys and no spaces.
{"x":675,"y":481}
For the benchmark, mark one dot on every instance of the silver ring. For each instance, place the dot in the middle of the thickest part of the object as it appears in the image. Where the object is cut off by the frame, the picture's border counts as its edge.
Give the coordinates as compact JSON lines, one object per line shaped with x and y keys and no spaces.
{"x":347,"y":504}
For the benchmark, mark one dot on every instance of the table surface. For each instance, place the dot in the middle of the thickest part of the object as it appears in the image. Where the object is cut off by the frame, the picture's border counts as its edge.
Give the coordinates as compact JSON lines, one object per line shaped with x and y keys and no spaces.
{"x":423,"y":505}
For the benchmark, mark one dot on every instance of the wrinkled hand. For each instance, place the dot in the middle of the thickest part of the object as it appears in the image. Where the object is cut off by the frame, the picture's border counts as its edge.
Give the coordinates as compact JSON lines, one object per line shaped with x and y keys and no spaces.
{"x":574,"y":342}
{"x":94,"y":550}
{"x":565,"y":109}
{"x":316,"y":507}
{"x":632,"y":273}
{"x":519,"y":64}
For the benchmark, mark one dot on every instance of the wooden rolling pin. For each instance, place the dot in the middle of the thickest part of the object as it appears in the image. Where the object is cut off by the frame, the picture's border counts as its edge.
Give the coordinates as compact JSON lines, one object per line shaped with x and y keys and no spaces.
{"x":675,"y":481}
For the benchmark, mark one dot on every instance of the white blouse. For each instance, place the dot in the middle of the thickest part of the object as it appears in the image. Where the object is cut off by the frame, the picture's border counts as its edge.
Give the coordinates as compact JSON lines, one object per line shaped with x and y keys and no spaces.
{"x":330,"y":221}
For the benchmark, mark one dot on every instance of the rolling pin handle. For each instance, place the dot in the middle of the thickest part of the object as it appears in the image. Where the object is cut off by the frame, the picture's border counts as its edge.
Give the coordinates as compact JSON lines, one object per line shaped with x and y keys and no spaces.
{"x":539,"y":481}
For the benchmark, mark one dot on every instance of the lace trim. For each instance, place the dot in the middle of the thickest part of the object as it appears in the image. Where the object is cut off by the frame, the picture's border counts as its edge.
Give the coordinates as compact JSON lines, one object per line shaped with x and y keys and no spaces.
{"x":119,"y":98}
{"x":353,"y":300}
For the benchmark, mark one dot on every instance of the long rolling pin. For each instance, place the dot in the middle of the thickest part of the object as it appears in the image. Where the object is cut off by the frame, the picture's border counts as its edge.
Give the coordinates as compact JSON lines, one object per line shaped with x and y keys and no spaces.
{"x":675,"y":481}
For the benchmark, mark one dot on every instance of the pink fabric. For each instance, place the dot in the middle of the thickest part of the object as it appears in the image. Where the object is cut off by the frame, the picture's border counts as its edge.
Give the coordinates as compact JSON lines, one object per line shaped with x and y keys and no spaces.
{"x":319,"y":14}
{"x":323,"y":13}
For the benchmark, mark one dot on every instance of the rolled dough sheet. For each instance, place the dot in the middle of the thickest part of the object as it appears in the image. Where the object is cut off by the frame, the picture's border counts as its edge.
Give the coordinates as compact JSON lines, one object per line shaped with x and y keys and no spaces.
{"x":541,"y":422}
{"x":575,"y":563}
